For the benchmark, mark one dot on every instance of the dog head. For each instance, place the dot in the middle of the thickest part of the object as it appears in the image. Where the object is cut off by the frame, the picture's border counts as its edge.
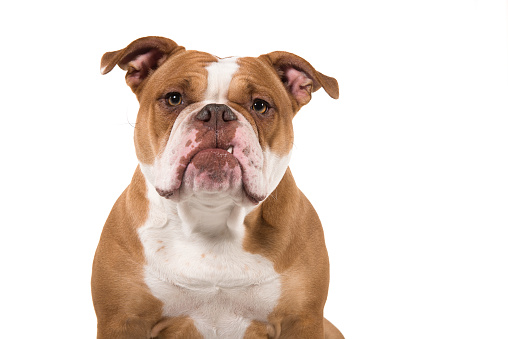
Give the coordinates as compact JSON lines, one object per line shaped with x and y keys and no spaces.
{"x":208,"y":126}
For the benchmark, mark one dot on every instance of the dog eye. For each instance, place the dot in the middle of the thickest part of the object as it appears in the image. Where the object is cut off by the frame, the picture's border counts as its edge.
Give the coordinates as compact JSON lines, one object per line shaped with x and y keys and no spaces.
{"x":173,"y":99}
{"x":260,"y":106}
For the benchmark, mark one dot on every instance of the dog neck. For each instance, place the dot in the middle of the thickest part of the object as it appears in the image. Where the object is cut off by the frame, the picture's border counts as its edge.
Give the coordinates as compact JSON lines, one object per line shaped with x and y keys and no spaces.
{"x":209,"y":215}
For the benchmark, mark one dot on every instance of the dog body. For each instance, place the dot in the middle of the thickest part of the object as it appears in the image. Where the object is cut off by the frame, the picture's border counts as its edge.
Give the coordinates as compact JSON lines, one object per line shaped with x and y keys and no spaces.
{"x":212,"y":238}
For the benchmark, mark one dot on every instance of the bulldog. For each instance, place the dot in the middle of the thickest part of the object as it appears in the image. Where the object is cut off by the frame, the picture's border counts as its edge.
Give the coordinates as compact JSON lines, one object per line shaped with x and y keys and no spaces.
{"x":212,"y":238}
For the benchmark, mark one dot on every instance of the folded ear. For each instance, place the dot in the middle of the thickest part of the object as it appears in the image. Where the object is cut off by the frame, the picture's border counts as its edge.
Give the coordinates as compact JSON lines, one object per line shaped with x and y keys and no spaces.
{"x":140,"y":58}
{"x":299,"y":77}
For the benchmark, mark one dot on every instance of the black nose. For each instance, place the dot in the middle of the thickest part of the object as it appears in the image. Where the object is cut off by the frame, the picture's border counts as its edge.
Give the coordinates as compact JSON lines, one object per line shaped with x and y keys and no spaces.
{"x":215,"y":115}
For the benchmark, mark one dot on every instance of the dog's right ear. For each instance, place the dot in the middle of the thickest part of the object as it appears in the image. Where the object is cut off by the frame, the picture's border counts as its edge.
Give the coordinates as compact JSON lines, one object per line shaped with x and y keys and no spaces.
{"x":140,"y":58}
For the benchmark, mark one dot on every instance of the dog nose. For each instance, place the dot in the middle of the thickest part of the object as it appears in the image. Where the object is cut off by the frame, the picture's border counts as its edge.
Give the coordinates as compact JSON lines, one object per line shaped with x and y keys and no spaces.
{"x":214,"y":115}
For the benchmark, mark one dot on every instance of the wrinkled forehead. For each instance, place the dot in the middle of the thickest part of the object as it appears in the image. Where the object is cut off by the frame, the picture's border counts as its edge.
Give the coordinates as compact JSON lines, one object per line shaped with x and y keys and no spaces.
{"x":185,"y":72}
{"x":208,"y":78}
{"x":237,"y":78}
{"x":219,"y":76}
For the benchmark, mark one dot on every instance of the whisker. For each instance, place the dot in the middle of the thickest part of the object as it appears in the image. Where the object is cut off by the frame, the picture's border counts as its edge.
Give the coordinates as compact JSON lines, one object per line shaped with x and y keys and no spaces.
{"x":128,"y":121}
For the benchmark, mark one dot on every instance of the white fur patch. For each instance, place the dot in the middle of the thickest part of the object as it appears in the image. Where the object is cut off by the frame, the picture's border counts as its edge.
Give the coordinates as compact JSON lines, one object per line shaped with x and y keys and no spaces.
{"x":206,"y":275}
{"x":219,"y":77}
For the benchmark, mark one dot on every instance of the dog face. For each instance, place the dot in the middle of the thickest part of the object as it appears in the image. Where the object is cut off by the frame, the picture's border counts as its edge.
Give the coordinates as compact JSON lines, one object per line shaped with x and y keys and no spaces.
{"x":210,"y":127}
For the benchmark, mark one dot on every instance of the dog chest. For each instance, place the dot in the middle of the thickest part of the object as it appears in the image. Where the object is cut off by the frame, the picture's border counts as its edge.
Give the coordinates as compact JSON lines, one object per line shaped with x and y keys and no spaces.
{"x":213,"y":280}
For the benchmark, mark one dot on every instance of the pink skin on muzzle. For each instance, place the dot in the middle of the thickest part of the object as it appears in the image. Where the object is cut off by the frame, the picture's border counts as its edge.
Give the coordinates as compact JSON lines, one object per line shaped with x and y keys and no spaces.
{"x":197,"y":157}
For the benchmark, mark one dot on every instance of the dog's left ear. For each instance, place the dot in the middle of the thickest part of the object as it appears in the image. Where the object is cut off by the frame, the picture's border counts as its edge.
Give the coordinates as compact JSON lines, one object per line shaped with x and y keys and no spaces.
{"x":140,"y":58}
{"x":299,"y":77}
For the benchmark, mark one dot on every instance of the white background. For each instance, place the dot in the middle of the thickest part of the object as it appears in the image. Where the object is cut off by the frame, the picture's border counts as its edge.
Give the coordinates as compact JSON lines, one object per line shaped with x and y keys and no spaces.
{"x":408,"y":169}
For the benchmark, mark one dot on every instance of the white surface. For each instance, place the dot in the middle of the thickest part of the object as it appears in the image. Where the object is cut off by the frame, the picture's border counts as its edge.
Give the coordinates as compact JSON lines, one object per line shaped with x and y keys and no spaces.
{"x":408,"y":169}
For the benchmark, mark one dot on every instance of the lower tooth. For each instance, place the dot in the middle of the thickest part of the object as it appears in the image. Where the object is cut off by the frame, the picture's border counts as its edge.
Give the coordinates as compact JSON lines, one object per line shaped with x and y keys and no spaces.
{"x":230,"y":149}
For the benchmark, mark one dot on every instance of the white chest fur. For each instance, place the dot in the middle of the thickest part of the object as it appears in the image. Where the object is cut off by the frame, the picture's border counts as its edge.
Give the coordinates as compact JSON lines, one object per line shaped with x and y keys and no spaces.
{"x":208,"y":277}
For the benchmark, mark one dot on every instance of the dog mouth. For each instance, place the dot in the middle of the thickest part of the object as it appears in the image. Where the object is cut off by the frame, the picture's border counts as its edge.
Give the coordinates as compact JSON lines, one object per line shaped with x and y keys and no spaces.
{"x":212,"y":169}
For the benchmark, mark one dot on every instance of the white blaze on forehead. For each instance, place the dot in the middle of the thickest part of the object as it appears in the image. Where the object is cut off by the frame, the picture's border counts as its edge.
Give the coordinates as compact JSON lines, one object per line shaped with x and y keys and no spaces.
{"x":220,"y":74}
